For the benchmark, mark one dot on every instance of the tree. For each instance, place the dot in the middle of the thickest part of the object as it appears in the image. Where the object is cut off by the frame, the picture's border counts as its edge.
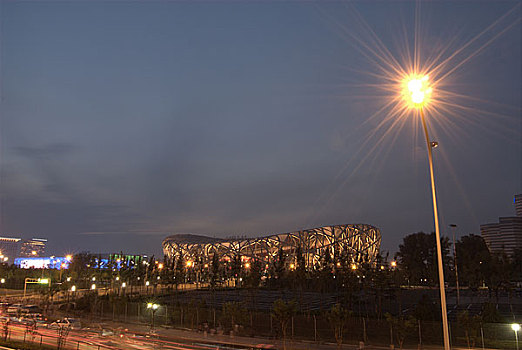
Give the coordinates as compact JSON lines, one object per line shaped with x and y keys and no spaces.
{"x":517,"y":265}
{"x":253,"y":279}
{"x":283,"y":312}
{"x":498,"y":273}
{"x":337,"y":317}
{"x":235,"y":268}
{"x":300,"y":267}
{"x":403,"y":326}
{"x":214,"y":271}
{"x":426,"y":310}
{"x":418,"y":257}
{"x":471,"y":326}
{"x":279,"y":268}
{"x":490,"y":314}
{"x":179,"y":271}
{"x":234,"y":313}
{"x":472,"y":258}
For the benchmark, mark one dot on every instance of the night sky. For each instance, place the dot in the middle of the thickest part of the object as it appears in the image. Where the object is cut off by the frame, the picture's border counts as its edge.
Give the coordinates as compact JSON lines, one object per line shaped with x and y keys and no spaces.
{"x":124,"y":122}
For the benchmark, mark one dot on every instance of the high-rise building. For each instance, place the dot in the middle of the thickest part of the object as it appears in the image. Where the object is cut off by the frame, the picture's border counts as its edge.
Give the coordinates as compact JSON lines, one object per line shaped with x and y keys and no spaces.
{"x":9,"y":249}
{"x":518,"y":204}
{"x":33,"y":248}
{"x":506,"y":235}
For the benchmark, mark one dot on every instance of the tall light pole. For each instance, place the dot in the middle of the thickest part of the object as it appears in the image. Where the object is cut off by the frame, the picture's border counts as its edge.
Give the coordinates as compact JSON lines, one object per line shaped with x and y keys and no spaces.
{"x":417,"y":92}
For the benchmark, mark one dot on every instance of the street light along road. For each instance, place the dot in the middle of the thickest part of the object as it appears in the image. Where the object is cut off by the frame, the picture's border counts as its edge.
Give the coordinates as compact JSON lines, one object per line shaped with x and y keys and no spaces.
{"x":417,"y":93}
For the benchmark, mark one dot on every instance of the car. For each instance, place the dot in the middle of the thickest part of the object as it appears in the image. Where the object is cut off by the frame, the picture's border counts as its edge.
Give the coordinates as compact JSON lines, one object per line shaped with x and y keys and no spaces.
{"x":71,"y":323}
{"x":41,"y":323}
{"x":14,"y":309}
{"x":27,"y":321}
{"x":4,"y":306}
{"x":30,"y":309}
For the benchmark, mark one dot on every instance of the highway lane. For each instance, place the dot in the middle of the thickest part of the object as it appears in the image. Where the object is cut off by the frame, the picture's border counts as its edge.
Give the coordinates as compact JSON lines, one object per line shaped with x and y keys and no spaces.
{"x":92,"y":340}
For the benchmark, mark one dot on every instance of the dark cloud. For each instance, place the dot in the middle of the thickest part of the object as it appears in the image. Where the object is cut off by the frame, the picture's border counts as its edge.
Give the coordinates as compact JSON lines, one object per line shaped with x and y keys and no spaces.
{"x":47,"y":151}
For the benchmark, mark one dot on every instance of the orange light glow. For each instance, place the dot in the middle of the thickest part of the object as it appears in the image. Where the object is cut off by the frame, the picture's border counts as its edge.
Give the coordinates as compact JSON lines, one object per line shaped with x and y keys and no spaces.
{"x":416,"y":90}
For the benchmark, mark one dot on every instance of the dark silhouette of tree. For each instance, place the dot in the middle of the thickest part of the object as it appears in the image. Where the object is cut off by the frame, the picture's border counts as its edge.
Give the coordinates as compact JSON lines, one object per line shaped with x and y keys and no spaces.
{"x":179,"y":272}
{"x":471,"y":326}
{"x":214,"y":271}
{"x":338,"y":317}
{"x":278,"y":270}
{"x":426,"y":310}
{"x":490,"y":314}
{"x":402,"y":327}
{"x":473,"y":257}
{"x":235,"y":268}
{"x":418,"y":257}
{"x":516,"y":262}
{"x":253,"y":278}
{"x":283,"y":312}
{"x":498,"y":274}
{"x":234,"y":313}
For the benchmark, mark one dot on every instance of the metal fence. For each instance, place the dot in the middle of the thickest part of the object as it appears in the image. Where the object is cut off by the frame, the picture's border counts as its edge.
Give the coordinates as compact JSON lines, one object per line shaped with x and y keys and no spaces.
{"x":309,"y":327}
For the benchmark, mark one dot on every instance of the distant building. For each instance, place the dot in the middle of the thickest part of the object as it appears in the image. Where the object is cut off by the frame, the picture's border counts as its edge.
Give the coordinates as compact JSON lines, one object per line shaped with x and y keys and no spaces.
{"x":9,"y":249}
{"x":357,"y":243}
{"x":506,"y":235}
{"x":33,"y":248}
{"x":518,"y":204}
{"x":51,"y":262}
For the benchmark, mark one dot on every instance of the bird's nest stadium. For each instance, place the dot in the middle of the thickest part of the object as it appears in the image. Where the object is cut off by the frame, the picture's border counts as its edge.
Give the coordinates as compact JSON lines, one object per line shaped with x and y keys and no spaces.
{"x":355,"y":244}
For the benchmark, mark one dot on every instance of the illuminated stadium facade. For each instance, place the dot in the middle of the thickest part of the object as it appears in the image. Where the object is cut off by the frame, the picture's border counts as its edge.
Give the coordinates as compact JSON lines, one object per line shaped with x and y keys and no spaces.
{"x":353,"y":244}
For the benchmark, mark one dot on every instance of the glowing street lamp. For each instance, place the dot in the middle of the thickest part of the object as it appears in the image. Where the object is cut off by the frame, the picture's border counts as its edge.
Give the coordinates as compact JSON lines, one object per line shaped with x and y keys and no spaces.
{"x":515,"y":327}
{"x":153,"y":308}
{"x":93,"y":286}
{"x":417,"y":93}
{"x":73,"y":289}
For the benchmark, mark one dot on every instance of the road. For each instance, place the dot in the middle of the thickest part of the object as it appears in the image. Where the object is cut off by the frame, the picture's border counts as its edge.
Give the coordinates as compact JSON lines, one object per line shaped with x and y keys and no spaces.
{"x":93,"y":340}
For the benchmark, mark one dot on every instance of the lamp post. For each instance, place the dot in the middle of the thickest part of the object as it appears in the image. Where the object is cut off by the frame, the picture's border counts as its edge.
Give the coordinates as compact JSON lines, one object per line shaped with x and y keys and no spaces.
{"x":153,"y":308}
{"x":516,"y":327}
{"x":3,"y":286}
{"x":417,"y":93}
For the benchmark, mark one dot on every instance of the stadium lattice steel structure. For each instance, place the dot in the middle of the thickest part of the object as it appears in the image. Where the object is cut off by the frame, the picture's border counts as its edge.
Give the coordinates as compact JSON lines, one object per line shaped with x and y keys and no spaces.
{"x":357,"y":243}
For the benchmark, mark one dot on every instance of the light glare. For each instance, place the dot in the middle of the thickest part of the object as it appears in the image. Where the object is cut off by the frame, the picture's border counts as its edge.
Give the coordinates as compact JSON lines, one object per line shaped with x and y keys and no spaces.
{"x":417,"y":90}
